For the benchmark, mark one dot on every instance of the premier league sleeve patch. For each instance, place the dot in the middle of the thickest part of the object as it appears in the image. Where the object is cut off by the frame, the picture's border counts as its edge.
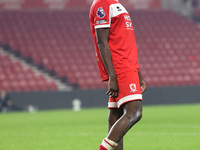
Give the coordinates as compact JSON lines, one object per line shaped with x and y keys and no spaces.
{"x":100,"y":12}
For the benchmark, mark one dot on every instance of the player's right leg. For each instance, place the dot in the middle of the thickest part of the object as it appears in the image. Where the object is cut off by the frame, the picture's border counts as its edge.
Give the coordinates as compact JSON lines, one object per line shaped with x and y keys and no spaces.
{"x":114,"y":115}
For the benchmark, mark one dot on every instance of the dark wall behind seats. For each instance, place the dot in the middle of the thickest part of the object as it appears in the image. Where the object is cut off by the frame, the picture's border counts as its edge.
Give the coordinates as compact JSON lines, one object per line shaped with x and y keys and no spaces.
{"x":98,"y":98}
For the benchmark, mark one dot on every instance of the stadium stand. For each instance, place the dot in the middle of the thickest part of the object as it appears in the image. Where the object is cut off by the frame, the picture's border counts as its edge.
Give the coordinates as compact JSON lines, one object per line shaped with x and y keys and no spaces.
{"x":15,"y":77}
{"x":168,"y":47}
{"x":61,"y":42}
{"x":196,"y":14}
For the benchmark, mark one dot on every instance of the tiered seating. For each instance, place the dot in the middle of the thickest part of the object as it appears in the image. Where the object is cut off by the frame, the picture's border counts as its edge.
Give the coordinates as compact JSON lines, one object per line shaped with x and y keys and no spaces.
{"x":168,"y":48}
{"x":15,"y":77}
{"x":61,"y":41}
{"x":58,"y":40}
{"x":196,"y":13}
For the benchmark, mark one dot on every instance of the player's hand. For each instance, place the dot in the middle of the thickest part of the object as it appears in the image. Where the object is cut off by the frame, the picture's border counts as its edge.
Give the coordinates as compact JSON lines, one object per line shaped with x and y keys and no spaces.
{"x":143,"y":86}
{"x":113,"y":88}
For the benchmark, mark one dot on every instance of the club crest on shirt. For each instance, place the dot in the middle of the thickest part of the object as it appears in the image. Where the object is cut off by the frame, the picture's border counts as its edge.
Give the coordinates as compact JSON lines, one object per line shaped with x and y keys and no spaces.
{"x":133,"y":88}
{"x":100,"y":12}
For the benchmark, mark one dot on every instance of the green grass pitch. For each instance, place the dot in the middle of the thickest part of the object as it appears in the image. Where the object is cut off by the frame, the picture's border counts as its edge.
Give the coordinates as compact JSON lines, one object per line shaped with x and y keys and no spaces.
{"x":173,"y":127}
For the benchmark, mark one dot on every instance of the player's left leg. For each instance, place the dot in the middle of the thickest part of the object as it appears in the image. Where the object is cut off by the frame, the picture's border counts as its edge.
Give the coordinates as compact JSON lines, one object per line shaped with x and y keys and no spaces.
{"x":114,"y":115}
{"x":132,"y":113}
{"x":130,"y":100}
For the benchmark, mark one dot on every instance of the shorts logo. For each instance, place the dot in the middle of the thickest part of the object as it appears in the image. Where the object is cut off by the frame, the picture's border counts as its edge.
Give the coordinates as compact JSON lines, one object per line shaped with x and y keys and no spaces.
{"x":100,"y":12}
{"x":133,"y":88}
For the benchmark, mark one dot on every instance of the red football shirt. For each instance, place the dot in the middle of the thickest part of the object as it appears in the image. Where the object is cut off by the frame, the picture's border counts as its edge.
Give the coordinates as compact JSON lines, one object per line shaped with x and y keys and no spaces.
{"x":111,"y":14}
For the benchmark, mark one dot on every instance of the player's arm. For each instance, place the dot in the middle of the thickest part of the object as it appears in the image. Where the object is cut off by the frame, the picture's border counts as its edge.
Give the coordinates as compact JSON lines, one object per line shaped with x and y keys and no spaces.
{"x":142,"y":82}
{"x":102,"y":41}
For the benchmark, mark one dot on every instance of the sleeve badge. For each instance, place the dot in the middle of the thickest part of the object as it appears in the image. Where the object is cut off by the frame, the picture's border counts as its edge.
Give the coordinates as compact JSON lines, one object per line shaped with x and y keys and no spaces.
{"x":100,"y":12}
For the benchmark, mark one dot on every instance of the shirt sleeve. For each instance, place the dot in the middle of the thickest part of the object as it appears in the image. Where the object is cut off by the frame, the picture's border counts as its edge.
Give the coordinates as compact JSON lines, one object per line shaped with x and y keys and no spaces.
{"x":102,"y":15}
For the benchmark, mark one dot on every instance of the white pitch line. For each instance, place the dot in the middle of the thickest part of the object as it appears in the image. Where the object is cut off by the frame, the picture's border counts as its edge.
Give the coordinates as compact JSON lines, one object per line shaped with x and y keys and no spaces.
{"x":172,"y":126}
{"x":139,"y":134}
{"x":167,"y":133}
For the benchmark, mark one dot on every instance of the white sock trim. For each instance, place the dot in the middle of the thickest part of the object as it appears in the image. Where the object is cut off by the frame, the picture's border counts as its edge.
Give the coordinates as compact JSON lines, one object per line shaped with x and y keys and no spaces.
{"x":109,"y":144}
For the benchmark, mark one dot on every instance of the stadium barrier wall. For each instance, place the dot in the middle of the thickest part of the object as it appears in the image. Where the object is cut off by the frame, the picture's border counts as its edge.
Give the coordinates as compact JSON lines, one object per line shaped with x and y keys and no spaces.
{"x":98,"y":98}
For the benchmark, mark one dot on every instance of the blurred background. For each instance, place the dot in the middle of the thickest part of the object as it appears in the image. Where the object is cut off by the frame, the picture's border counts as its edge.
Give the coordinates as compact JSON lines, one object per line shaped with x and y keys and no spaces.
{"x":47,"y":58}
